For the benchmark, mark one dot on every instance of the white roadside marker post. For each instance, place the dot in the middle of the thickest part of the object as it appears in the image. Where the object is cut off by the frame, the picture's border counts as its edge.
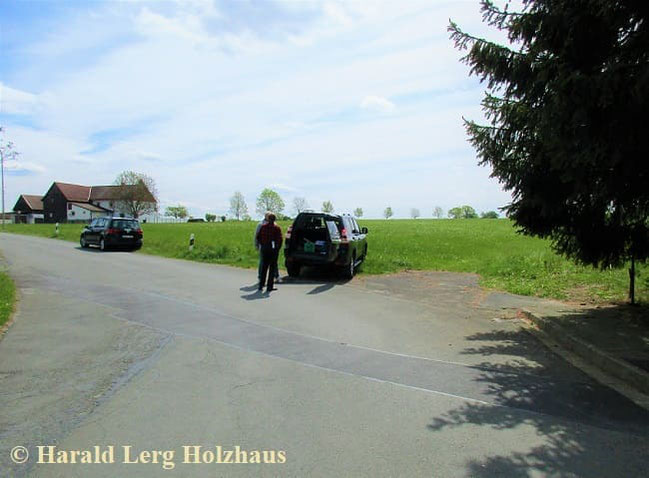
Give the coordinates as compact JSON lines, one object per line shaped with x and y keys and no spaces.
{"x":191,"y":242}
{"x":57,"y":228}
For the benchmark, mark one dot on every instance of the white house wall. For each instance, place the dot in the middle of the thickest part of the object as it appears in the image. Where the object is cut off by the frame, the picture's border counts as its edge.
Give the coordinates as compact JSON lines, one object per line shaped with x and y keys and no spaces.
{"x":76,"y":213}
{"x":104,"y":204}
{"x":29,"y":218}
{"x":117,"y":207}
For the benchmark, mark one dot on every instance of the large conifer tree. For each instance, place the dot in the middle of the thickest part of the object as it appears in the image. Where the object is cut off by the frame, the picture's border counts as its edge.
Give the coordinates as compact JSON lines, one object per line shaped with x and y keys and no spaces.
{"x":567,"y":103}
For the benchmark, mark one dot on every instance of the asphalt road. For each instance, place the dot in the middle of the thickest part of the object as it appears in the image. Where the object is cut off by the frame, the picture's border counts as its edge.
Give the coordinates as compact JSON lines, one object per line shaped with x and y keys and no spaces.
{"x":345,"y":379}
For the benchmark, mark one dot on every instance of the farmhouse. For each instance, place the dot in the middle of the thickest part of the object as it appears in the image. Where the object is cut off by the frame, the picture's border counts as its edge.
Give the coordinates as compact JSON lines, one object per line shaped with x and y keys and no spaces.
{"x":28,"y":209}
{"x":65,"y":202}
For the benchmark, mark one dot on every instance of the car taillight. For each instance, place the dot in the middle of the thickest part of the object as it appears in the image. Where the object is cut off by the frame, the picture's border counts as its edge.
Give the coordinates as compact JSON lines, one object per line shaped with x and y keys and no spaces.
{"x":112,"y":231}
{"x":288,"y":232}
{"x":343,"y":234}
{"x":139,"y":231}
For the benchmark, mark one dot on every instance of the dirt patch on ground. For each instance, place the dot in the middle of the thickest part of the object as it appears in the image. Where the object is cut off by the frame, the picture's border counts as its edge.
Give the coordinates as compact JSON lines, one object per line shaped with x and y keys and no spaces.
{"x":592,"y":296}
{"x":453,"y":291}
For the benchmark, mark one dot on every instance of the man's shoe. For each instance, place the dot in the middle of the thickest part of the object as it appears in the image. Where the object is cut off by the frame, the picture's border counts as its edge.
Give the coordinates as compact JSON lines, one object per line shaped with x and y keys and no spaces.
{"x":274,"y":288}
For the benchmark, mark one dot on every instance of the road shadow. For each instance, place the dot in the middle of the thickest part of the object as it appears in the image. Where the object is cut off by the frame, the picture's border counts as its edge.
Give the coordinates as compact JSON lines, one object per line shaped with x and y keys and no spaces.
{"x":96,"y":250}
{"x":586,"y":428}
{"x":321,"y":288}
{"x":256,"y":295}
{"x":620,"y":330}
{"x":249,"y":288}
{"x":323,"y":280}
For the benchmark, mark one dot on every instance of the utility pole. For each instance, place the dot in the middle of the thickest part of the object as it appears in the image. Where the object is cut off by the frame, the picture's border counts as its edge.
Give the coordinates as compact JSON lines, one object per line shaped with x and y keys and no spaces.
{"x":2,"y":167}
{"x":7,"y":152}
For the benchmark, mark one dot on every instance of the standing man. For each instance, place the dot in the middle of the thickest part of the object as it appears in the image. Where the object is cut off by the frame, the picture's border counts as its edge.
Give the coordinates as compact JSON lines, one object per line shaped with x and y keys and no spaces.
{"x":258,"y":247}
{"x":269,"y":238}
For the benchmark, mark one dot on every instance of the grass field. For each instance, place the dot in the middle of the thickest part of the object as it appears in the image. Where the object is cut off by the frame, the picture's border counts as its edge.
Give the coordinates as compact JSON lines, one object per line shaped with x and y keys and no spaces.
{"x":7,"y":297}
{"x":492,"y":248}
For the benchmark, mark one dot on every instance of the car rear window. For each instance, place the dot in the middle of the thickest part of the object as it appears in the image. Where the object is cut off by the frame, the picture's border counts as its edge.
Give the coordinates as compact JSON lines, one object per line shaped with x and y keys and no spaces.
{"x":334,"y":233}
{"x":314,"y":222}
{"x":125,"y":224}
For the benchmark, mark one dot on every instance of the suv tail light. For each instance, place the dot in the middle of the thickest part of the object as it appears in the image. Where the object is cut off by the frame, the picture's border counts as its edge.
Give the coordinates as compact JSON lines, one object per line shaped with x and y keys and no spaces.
{"x":343,"y":234}
{"x":288,"y":232}
{"x":139,"y":232}
{"x":112,"y":231}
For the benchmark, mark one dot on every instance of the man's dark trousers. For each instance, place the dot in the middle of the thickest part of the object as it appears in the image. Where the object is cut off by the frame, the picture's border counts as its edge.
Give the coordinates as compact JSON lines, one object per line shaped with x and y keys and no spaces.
{"x":268,"y":266}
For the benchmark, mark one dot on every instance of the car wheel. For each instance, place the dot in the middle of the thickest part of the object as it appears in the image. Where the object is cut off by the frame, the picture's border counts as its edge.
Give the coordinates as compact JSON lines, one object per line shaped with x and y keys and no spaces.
{"x":350,"y":270}
{"x":83,"y":242}
{"x":293,"y":270}
{"x":102,"y":244}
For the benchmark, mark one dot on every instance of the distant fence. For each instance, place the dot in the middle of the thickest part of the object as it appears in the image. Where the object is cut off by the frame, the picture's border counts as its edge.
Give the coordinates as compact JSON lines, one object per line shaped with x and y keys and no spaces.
{"x":162,"y":220}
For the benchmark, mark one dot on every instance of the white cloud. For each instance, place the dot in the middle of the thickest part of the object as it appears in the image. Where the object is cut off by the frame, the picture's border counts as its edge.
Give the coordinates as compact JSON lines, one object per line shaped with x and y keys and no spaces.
{"x":337,"y":14}
{"x":377,"y":103}
{"x":184,"y":26}
{"x":147,"y":156}
{"x":13,"y":101}
{"x":283,"y":188}
{"x":24,"y":166}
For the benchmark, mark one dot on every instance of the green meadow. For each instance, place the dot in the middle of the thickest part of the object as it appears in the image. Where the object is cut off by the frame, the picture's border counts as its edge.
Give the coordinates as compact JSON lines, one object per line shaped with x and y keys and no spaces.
{"x":7,"y":297}
{"x":493,"y":249}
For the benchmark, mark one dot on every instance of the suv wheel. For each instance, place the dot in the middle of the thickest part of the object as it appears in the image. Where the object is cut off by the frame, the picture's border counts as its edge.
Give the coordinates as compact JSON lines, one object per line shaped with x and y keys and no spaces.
{"x":83,"y":242}
{"x":102,"y":244}
{"x":293,"y":270}
{"x":350,"y":270}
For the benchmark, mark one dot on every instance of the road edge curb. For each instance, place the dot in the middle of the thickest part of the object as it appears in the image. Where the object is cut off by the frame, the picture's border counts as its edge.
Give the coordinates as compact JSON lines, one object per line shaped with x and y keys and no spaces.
{"x":620,"y":369}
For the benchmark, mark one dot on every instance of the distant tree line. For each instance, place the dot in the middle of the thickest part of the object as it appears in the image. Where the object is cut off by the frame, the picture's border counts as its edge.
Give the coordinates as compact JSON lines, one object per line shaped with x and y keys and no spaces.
{"x":270,"y":200}
{"x":467,"y":212}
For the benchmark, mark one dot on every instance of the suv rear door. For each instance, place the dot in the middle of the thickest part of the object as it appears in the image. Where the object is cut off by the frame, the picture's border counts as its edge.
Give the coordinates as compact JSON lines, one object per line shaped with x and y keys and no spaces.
{"x":314,"y":238}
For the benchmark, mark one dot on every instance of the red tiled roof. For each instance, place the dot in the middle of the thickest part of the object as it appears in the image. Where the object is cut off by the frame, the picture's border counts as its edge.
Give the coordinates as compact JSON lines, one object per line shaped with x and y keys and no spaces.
{"x":74,"y":192}
{"x":79,"y":193}
{"x":33,"y":201}
{"x":98,"y":193}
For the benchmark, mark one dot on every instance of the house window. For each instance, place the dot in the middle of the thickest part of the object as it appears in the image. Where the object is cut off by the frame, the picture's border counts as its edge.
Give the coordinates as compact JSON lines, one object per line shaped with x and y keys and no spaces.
{"x":72,"y":213}
{"x":69,"y":207}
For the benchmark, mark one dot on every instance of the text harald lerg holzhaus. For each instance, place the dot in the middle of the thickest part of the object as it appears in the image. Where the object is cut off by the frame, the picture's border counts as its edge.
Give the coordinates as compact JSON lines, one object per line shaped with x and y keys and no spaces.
{"x":191,"y":454}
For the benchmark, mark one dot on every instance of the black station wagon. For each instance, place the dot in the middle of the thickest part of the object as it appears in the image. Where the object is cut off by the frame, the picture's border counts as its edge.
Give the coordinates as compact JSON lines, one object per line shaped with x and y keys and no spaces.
{"x":107,"y":232}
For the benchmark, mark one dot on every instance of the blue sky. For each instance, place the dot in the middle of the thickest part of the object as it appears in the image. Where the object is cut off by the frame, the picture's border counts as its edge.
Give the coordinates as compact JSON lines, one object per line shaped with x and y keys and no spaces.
{"x":356,"y":102}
